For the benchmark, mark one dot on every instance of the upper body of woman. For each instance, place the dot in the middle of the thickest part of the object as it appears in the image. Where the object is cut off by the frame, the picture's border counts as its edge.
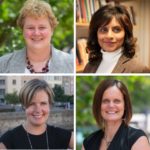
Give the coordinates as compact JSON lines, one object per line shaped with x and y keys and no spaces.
{"x":37,"y":22}
{"x":36,"y":97}
{"x":112,"y":111}
{"x":111,"y":45}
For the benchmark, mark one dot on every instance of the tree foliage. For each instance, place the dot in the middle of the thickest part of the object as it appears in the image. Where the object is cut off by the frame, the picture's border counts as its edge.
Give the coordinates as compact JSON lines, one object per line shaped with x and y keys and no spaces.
{"x":12,"y":98}
{"x":59,"y":95}
{"x":11,"y":36}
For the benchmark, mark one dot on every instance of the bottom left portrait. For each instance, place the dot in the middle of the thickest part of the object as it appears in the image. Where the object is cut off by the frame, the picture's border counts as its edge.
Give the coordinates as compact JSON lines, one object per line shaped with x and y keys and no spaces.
{"x":36,"y":112}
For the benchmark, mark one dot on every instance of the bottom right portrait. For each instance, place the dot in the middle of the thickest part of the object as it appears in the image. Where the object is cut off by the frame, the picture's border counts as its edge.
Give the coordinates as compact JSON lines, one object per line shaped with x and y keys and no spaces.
{"x":113,"y":112}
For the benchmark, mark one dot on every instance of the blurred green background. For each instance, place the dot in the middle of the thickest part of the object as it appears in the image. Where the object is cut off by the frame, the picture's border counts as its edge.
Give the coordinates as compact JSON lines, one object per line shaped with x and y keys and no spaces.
{"x":11,"y":36}
{"x":139,"y":89}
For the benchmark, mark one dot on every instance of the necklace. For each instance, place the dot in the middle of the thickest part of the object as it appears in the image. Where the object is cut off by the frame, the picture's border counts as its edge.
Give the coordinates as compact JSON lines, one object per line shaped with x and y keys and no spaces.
{"x":107,"y":142}
{"x":31,"y":69}
{"x":47,"y":143}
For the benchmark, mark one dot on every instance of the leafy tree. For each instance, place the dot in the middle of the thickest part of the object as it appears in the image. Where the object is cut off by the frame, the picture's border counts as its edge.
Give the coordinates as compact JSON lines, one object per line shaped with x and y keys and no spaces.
{"x":12,"y":98}
{"x":59,"y":95}
{"x":11,"y":36}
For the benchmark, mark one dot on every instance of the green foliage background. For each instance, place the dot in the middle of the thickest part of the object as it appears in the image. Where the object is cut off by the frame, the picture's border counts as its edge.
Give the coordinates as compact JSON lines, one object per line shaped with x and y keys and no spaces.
{"x":138,"y":86}
{"x":11,"y":36}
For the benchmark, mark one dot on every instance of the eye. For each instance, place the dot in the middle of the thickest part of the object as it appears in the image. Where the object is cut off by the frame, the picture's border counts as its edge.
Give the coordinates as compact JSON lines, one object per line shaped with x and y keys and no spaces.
{"x":117,"y":29}
{"x":103,"y":30}
{"x":105,"y":101}
{"x":42,"y":27}
{"x":30,"y":28}
{"x":117,"y":101}
{"x":44,"y":103}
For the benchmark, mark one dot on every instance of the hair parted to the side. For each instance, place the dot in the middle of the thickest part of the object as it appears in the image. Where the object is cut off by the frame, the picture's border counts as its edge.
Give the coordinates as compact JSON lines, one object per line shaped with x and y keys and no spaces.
{"x":36,"y":9}
{"x":101,"y":18}
{"x":105,"y":84}
{"x":30,"y":88}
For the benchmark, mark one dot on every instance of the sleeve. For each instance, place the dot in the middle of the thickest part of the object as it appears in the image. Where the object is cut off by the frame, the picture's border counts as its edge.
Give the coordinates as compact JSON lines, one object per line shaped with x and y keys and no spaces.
{"x":6,"y":139}
{"x":135,"y":135}
{"x":60,"y":137}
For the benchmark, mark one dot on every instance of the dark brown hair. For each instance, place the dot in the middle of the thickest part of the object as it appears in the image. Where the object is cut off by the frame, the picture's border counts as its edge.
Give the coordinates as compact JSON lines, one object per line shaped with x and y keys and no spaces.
{"x":105,"y":84}
{"x":102,"y":17}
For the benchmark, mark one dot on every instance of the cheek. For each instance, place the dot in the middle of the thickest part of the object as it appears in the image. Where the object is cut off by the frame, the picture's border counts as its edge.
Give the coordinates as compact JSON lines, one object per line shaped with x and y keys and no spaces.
{"x":27,"y":34}
{"x":121,"y":37}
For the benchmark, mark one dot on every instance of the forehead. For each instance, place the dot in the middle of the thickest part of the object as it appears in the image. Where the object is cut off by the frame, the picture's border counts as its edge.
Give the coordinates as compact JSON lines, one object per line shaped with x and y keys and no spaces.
{"x":113,"y":91}
{"x":36,"y":20}
{"x":113,"y":22}
{"x":40,"y":95}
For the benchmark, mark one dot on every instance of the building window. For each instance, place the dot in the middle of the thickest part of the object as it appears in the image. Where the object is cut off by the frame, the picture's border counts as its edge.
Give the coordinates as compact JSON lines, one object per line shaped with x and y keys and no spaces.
{"x":2,"y":82}
{"x":2,"y":92}
{"x":14,"y":82}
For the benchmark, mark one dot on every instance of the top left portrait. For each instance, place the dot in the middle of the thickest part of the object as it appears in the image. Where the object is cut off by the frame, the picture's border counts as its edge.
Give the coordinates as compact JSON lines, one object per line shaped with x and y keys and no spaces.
{"x":36,"y":36}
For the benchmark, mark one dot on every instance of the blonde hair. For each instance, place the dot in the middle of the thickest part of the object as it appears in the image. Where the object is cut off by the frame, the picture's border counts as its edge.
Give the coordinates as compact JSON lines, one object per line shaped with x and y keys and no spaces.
{"x":36,"y":8}
{"x":30,"y":88}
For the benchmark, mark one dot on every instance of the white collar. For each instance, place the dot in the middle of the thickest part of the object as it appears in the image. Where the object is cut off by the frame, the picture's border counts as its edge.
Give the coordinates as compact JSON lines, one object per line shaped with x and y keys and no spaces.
{"x":111,"y":56}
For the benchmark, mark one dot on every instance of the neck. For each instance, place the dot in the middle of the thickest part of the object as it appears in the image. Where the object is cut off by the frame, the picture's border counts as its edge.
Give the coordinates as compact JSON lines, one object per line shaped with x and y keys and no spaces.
{"x":35,"y":130}
{"x":110,"y":129}
{"x":39,"y":55}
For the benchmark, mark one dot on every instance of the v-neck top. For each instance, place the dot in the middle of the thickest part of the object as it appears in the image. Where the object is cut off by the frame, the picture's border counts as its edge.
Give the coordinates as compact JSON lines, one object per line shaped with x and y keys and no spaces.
{"x":124,"y":139}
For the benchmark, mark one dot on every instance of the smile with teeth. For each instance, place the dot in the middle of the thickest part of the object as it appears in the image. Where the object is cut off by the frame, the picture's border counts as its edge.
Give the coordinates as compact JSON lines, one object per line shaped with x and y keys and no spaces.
{"x":38,"y":116}
{"x":111,"y":112}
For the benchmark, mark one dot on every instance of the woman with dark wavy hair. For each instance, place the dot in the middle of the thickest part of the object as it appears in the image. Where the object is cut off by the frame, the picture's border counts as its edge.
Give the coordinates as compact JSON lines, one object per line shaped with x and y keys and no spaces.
{"x":111,"y":45}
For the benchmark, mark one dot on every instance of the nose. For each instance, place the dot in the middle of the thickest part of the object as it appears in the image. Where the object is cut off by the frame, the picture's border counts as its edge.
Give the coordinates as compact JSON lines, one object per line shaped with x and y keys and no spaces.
{"x":111,"y":104}
{"x":37,"y":108}
{"x":110,"y":34}
{"x":36,"y":31}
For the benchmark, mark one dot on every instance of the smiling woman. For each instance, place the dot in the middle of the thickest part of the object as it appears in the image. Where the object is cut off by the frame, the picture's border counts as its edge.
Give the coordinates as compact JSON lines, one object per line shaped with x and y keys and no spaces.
{"x":113,"y":111}
{"x":36,"y":97}
{"x":111,"y":45}
{"x":37,"y":22}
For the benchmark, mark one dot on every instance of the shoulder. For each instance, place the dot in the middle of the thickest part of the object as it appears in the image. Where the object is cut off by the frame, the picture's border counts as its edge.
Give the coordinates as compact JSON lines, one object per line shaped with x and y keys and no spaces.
{"x":12,"y":132}
{"x":13,"y":54}
{"x":8,"y":137}
{"x":61,"y":62}
{"x":91,"y":67}
{"x":11,"y":59}
{"x":59,"y":137}
{"x":58,"y":131}
{"x":135,"y":66}
{"x":93,"y":139}
{"x":134,"y":134}
{"x":61,"y":55}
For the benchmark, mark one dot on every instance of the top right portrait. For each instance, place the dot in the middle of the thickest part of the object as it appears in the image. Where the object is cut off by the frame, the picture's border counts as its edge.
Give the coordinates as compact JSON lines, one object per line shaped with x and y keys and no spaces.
{"x":112,"y":36}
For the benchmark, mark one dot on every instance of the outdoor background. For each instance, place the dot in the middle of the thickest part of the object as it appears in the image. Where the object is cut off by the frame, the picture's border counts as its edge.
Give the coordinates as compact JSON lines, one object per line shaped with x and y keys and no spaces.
{"x":11,"y":36}
{"x":138,"y":86}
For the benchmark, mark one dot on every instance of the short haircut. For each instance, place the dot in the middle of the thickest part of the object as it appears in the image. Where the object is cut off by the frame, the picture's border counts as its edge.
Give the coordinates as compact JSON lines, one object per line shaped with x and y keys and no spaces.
{"x":101,"y":18}
{"x":104,"y":85}
{"x":36,"y":8}
{"x":30,"y":88}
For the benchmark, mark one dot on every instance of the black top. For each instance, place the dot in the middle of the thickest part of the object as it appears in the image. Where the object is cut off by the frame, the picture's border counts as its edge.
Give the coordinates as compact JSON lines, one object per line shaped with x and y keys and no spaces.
{"x":17,"y":139}
{"x":125,"y":137}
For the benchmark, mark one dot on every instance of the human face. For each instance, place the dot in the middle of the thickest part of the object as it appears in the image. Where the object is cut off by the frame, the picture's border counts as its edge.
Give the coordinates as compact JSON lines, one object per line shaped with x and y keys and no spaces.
{"x":38,"y":110}
{"x":111,"y":36}
{"x":112,"y":107}
{"x":37,"y":32}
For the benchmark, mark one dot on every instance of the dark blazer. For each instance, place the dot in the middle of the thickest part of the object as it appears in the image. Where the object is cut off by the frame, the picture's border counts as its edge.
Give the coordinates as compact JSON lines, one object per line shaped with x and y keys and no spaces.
{"x":124,"y":65}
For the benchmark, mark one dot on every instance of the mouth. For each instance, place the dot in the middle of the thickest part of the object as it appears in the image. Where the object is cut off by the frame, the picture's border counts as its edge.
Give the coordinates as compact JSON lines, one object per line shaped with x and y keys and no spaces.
{"x":111,"y":112}
{"x":37,"y":39}
{"x":38,"y":116}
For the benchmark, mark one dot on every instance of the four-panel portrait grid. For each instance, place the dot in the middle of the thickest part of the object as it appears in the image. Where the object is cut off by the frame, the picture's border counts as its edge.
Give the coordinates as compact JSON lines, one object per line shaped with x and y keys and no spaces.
{"x":74,"y":51}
